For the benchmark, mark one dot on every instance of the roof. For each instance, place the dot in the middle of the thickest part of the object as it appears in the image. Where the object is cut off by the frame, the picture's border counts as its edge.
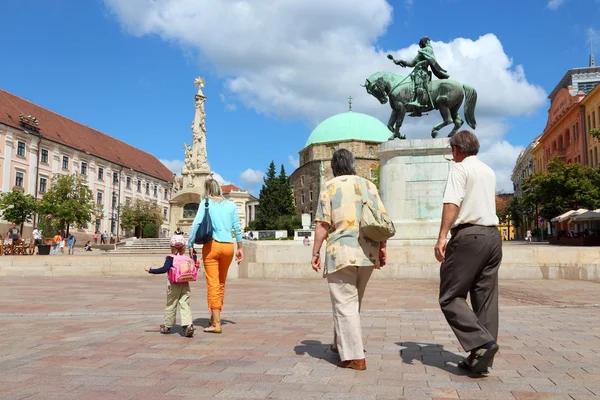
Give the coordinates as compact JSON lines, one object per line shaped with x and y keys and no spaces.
{"x":230,"y":188}
{"x":57,"y":128}
{"x":349,"y":126}
{"x":567,"y":78}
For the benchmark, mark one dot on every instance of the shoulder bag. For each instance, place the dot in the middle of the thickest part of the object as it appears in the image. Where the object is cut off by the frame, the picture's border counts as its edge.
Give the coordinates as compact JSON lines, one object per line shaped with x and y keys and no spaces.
{"x":205,"y":230}
{"x":375,"y":224}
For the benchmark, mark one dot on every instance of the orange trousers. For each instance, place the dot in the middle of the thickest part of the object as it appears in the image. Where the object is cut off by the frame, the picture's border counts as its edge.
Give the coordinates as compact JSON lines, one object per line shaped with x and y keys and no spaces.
{"x":217,"y":257}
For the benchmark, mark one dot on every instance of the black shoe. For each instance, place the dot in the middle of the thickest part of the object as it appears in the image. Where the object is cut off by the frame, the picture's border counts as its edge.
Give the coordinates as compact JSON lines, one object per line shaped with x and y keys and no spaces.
{"x":165,"y":329}
{"x":482,"y":358}
{"x":188,"y":331}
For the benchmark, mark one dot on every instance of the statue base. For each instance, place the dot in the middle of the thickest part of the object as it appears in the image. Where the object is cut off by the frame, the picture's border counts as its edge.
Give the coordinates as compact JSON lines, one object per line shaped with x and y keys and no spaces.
{"x":412,"y":179}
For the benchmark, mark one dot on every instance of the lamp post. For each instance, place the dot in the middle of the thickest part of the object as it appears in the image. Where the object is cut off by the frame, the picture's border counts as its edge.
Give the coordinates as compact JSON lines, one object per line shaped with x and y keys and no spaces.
{"x":508,"y":222}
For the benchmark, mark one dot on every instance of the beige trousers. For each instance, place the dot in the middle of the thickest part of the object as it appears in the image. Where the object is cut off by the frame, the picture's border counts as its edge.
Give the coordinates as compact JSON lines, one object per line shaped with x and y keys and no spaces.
{"x":346,"y":288}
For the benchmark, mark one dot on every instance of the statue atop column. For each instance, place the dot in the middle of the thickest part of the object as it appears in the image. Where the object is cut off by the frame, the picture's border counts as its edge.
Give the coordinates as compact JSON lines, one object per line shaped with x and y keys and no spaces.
{"x":196,"y":160}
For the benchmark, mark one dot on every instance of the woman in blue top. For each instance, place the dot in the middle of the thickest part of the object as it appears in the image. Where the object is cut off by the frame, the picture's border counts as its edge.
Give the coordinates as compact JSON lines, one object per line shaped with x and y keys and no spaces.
{"x":218,"y":253}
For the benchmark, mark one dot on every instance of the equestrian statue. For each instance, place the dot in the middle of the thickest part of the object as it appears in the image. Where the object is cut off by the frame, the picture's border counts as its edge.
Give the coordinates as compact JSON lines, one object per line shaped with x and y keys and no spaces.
{"x":420,"y":94}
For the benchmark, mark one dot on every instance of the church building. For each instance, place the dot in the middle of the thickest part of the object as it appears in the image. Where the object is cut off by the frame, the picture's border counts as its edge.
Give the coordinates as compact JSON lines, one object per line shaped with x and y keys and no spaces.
{"x":359,"y":133}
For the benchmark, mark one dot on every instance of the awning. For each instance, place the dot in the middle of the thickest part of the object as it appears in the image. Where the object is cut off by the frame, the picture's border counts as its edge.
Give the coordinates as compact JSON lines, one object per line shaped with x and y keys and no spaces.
{"x":587,"y":216}
{"x":568,"y":214}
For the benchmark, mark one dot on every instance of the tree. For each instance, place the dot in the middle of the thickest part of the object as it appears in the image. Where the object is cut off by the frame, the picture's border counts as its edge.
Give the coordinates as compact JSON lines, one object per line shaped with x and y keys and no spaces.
{"x":565,"y":187}
{"x":377,"y":172}
{"x":595,"y":133}
{"x":139,"y":213}
{"x":285,"y":195}
{"x":267,"y":203}
{"x":276,"y":202}
{"x":17,"y":207}
{"x":69,"y":200}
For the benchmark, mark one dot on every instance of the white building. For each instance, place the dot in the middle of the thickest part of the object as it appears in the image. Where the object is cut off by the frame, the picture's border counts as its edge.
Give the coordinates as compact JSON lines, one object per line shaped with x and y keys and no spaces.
{"x":36,"y":144}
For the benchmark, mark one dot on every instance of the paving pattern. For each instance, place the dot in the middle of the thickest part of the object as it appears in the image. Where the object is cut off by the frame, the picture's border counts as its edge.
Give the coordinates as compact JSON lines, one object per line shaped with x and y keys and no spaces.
{"x":97,"y":338}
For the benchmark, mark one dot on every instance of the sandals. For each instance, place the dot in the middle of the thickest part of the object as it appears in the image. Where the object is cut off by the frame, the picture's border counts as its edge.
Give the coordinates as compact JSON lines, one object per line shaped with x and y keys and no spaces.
{"x":188,"y":330}
{"x":165,"y":329}
{"x":215,"y":327}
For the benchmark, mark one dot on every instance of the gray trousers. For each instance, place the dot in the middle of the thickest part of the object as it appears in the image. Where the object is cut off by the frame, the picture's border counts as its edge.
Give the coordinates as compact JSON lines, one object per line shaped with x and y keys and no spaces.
{"x":473,"y":256}
{"x":346,"y":289}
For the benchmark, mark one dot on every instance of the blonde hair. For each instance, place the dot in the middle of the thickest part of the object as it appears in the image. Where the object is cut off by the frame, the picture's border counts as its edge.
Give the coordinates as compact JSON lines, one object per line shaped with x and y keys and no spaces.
{"x":212,"y":190}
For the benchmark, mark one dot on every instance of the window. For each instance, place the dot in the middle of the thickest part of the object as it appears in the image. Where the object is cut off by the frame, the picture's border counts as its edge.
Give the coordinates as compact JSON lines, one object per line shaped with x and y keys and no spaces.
{"x":99,"y":198}
{"x":114,"y":201}
{"x":100,"y":173}
{"x":19,"y":179}
{"x":373,"y":173}
{"x":127,"y":200}
{"x":44,"y":159}
{"x":115,"y":178}
{"x":139,"y":186}
{"x":155,"y":191}
{"x":165,"y":212}
{"x":591,"y":160}
{"x":239,"y":207}
{"x":21,"y":149}
{"x":83,"y":168}
{"x":128,"y":182}
{"x":43,"y":185}
{"x":302,"y":180}
{"x":166,"y":194}
{"x":595,"y":156}
{"x":147,"y":188}
{"x":65,"y":163}
{"x":593,"y":119}
{"x":310,"y":196}
{"x":302,"y":200}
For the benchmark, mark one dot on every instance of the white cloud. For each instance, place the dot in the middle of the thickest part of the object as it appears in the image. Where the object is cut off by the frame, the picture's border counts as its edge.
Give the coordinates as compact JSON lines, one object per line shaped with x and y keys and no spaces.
{"x":303,"y":59}
{"x":251,"y":178}
{"x":294,"y":162}
{"x":174,"y":165}
{"x":554,"y":4}
{"x":220,"y":179}
{"x":501,"y":156}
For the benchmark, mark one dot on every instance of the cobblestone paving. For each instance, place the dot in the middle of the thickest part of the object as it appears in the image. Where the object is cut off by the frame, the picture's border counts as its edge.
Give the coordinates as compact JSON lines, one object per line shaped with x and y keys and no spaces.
{"x":97,"y":339}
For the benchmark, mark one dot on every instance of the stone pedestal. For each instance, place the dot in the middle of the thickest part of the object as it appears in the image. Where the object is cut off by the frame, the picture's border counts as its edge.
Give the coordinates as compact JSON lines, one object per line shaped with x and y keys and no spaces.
{"x":412,"y":180}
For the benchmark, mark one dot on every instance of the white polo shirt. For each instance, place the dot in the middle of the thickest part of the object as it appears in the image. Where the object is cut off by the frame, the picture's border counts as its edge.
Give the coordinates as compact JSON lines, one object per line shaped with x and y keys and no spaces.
{"x":471,"y":186}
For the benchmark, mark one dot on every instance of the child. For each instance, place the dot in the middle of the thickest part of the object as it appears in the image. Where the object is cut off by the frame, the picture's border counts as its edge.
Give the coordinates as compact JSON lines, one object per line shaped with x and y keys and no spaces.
{"x":176,"y":292}
{"x":88,"y":246}
{"x":72,"y":241}
{"x":57,"y":239}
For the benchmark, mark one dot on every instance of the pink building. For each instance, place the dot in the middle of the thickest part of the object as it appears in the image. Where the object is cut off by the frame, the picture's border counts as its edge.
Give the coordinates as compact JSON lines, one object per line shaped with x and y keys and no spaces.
{"x":36,"y":143}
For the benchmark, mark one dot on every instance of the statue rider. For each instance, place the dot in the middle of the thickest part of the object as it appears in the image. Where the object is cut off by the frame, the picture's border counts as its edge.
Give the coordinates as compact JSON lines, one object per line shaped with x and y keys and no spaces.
{"x":421,"y":75}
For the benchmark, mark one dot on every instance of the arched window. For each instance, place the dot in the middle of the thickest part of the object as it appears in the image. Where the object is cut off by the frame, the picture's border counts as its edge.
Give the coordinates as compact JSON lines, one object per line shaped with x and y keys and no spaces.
{"x":190,"y":210}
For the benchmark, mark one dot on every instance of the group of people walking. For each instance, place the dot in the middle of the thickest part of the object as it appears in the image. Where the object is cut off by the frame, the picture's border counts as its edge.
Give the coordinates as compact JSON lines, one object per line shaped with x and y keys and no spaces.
{"x":217,"y":256}
{"x":469,"y":260}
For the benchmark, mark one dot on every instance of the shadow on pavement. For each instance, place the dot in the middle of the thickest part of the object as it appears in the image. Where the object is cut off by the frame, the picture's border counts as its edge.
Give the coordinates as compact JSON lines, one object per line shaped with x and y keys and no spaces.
{"x":316,"y":349}
{"x":433,"y":355}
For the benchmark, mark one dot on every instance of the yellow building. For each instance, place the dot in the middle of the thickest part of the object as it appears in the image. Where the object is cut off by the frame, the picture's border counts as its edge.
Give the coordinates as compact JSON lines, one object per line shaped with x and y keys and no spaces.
{"x":504,"y":230}
{"x":591,"y":109}
{"x":537,"y":153}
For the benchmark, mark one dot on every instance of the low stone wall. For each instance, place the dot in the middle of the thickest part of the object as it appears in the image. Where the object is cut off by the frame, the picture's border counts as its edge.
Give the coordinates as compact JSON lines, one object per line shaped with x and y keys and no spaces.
{"x":520,"y":261}
{"x":291,"y":260}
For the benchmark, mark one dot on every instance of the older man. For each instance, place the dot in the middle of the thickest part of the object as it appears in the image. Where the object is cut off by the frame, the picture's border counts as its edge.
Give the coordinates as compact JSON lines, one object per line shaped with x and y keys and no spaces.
{"x":471,"y":258}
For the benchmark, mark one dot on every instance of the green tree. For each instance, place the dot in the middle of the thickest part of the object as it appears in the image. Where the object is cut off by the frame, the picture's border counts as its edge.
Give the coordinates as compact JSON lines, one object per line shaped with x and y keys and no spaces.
{"x":377,"y":173}
{"x":17,"y":207}
{"x":267,"y":210}
{"x":276,"y":202}
{"x":595,"y":133}
{"x":139,"y":213}
{"x":285,"y":195}
{"x":69,"y":200}
{"x":565,"y":187}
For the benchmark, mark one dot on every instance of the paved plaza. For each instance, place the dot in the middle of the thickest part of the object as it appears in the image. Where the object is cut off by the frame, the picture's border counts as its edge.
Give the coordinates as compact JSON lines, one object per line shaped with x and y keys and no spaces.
{"x":96,"y":338}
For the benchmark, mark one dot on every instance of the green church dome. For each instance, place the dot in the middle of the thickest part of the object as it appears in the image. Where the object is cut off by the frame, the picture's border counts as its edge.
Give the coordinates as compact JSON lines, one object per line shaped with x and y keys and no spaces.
{"x":349,"y":126}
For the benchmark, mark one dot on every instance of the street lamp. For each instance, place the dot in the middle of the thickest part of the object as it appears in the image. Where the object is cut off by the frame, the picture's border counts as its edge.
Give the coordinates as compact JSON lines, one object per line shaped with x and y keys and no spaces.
{"x":508,"y":222}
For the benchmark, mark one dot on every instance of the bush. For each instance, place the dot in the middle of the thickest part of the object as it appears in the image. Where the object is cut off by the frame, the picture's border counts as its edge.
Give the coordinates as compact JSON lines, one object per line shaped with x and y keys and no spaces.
{"x":150,"y":231}
{"x":288,"y":223}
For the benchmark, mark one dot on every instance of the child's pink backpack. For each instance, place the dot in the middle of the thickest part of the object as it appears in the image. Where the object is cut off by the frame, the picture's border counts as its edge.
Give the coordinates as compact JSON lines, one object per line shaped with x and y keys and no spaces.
{"x":183,"y":269}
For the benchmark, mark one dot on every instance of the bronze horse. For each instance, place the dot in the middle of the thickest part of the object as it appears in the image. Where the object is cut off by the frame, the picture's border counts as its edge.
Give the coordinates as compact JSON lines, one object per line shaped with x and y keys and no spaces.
{"x":445,"y":95}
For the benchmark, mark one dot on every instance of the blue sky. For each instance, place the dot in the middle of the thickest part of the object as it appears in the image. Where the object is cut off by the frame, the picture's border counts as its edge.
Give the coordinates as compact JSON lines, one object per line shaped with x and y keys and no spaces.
{"x":275,"y":70}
